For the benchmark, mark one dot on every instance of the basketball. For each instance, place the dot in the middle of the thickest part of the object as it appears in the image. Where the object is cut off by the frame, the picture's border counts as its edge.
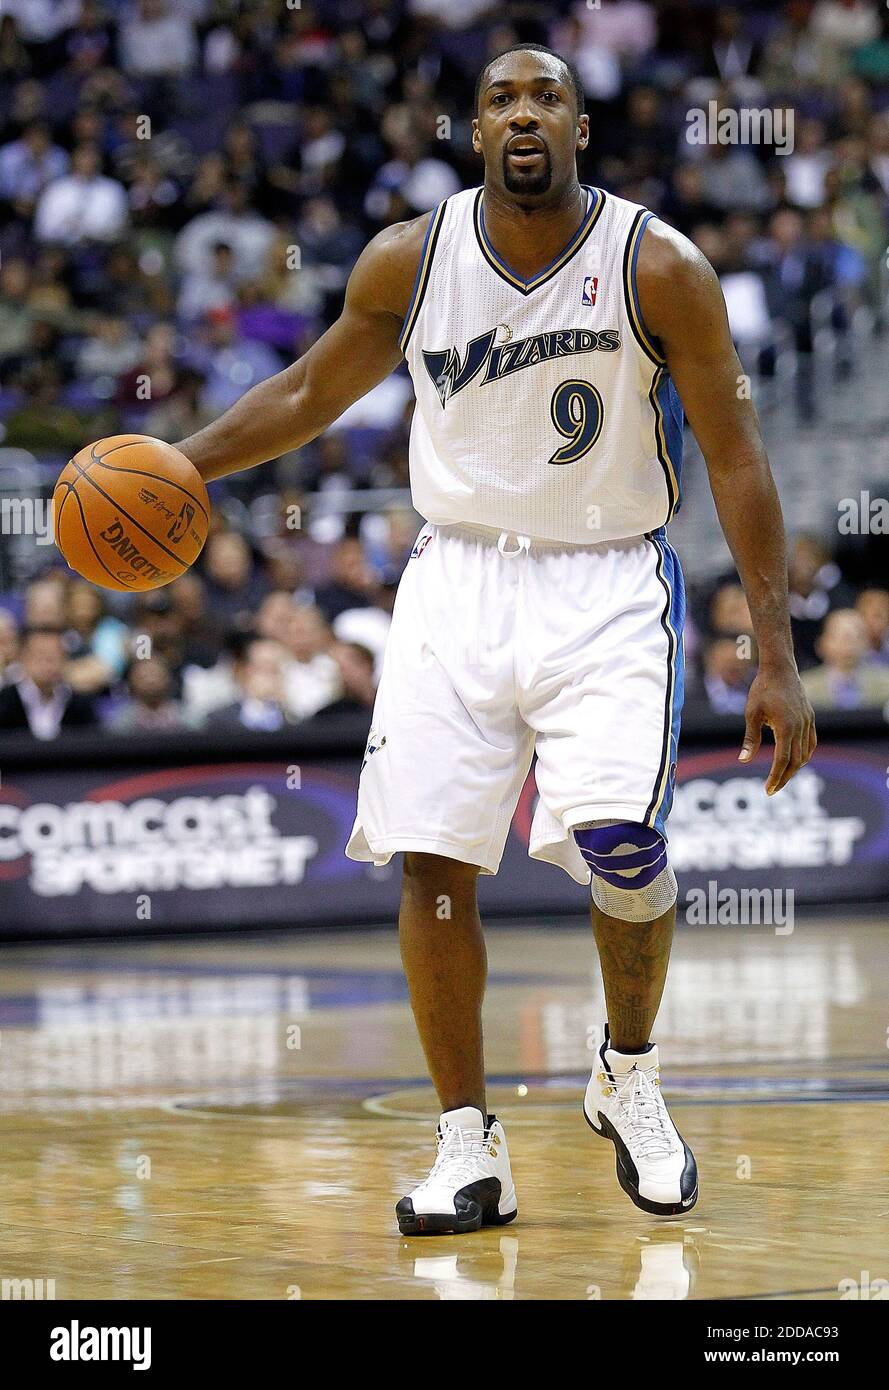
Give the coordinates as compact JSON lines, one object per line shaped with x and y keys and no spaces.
{"x":131,"y":513}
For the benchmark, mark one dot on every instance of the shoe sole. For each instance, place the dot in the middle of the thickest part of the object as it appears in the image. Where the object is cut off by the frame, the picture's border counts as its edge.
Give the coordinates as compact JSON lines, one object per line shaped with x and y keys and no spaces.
{"x":626,"y":1182}
{"x":441,"y":1224}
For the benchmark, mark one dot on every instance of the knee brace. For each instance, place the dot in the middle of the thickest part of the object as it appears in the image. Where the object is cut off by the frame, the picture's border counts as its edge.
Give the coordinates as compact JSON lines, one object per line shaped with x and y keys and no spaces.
{"x":631,"y":877}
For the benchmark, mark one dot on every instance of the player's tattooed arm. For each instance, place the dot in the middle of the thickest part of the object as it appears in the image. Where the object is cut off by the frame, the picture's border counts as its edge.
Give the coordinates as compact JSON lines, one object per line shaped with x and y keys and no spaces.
{"x":355,"y":353}
{"x":682,"y":304}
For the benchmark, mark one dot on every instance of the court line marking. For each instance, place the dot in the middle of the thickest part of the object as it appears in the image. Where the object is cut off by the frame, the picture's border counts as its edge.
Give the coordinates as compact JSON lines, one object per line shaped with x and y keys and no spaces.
{"x":764,"y":1297}
{"x":377,"y":1105}
{"x":380,"y":1107}
{"x":173,"y":1108}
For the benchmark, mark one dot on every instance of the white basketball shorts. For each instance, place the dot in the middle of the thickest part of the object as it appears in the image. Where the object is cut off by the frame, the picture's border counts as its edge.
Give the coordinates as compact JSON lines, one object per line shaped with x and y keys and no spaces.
{"x":501,"y":646}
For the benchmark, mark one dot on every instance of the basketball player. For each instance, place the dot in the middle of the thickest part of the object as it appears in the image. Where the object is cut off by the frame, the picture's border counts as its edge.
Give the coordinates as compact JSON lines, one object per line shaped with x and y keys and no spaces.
{"x":551,"y":331}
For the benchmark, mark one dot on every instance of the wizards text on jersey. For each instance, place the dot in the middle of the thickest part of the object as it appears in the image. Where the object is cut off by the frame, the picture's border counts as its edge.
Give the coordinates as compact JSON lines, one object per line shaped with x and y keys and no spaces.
{"x":450,"y":373}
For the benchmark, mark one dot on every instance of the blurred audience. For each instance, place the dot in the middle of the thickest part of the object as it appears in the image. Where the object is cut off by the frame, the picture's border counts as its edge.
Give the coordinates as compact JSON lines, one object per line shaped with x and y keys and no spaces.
{"x":39,"y":698}
{"x":846,"y":679}
{"x":149,"y":705}
{"x":350,"y":581}
{"x":261,"y":704}
{"x":872,"y":605}
{"x":816,"y":588}
{"x":356,"y":668}
{"x":727,"y":676}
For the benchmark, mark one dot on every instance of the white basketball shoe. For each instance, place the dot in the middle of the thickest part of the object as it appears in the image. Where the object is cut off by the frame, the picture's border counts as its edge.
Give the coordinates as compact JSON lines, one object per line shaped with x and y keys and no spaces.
{"x":623,"y":1103}
{"x":470,"y":1184}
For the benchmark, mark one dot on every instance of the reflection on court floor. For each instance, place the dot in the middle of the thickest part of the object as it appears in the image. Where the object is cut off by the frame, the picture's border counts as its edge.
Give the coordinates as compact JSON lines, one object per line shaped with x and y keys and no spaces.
{"x":237,"y":1118}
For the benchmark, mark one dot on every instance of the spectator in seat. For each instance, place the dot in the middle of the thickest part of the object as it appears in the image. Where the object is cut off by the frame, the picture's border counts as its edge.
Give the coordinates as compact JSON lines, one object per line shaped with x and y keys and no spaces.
{"x":111,"y":349}
{"x":83,"y":205}
{"x":40,"y":699}
{"x":96,"y":642}
{"x":687,"y":204}
{"x":206,"y":689}
{"x":150,"y":705}
{"x":154,"y":371}
{"x":356,"y":667}
{"x":17,"y":314}
{"x":234,"y":590}
{"x":27,"y":165}
{"x":262,"y":700}
{"x":273,"y":616}
{"x":210,"y":287}
{"x":727,"y":675}
{"x":350,"y":581}
{"x":873,"y":607}
{"x":15,"y":62}
{"x":229,"y":219}
{"x":156,"y":41}
{"x":816,"y":586}
{"x":45,"y":602}
{"x":9,"y":646}
{"x":181,"y":413}
{"x":43,"y":423}
{"x":154,"y":630}
{"x":90,"y":43}
{"x":805,"y":169}
{"x":729,"y":611}
{"x":200,"y":633}
{"x":234,"y":363}
{"x":312,"y":675}
{"x":845,"y":679}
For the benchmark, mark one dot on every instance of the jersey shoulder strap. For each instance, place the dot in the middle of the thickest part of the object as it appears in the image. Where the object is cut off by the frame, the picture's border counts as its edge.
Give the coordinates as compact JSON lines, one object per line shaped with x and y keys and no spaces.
{"x":440,"y":234}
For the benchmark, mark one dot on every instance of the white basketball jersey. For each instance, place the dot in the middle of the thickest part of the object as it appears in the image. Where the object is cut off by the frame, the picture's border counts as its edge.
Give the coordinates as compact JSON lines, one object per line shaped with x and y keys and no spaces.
{"x":544,"y":406}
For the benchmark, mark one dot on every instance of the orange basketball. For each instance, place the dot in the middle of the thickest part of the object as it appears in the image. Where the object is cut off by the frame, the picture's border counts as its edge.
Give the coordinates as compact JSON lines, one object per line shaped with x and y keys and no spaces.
{"x":130,"y":512}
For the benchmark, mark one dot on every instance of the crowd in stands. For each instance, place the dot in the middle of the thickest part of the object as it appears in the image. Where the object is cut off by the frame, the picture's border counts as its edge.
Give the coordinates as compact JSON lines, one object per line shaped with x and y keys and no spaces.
{"x":184,"y":187}
{"x":226,"y":649}
{"x":840,"y":637}
{"x":223,"y":650}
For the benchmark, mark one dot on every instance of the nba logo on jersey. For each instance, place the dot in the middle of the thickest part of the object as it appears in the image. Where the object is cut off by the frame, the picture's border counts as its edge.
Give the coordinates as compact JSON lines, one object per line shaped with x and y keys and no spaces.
{"x":590,"y":286}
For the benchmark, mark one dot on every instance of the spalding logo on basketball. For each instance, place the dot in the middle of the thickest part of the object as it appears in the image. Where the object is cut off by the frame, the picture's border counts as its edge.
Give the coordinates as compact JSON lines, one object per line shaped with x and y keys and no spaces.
{"x":131,"y":513}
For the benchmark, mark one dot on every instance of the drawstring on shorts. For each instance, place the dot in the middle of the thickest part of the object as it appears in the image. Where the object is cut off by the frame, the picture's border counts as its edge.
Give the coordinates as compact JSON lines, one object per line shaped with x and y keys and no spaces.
{"x":524,"y":544}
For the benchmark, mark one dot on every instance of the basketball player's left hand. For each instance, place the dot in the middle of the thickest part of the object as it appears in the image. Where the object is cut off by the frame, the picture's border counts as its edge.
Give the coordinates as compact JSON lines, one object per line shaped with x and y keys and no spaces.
{"x":779,"y":701}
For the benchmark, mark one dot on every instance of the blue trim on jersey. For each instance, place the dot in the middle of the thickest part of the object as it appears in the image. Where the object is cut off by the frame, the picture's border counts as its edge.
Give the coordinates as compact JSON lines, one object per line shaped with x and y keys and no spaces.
{"x":648,"y":341}
{"x":669,"y":573}
{"x":421,"y":279}
{"x":673,"y":418}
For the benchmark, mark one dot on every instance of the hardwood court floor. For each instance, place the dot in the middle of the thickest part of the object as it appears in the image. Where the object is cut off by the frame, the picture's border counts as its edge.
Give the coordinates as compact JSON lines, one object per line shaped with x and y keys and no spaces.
{"x":236,"y":1119}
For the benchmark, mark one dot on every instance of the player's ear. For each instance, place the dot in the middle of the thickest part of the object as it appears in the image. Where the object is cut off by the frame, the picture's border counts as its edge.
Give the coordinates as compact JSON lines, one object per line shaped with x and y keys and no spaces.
{"x":476,"y":137}
{"x":583,"y":132}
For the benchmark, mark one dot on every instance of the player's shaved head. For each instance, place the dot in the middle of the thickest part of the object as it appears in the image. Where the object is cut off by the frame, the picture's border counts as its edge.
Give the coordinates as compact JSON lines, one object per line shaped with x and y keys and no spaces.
{"x":570,"y":76}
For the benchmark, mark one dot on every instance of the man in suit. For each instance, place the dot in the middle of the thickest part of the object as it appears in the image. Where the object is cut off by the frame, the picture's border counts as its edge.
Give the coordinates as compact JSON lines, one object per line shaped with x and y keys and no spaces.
{"x":40,"y":699}
{"x":261,"y":706}
{"x":845,"y":680}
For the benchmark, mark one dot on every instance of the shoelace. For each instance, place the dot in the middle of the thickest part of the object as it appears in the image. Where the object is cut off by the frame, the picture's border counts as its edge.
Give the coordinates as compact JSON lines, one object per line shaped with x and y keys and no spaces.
{"x":644,"y":1114}
{"x":458,"y":1153}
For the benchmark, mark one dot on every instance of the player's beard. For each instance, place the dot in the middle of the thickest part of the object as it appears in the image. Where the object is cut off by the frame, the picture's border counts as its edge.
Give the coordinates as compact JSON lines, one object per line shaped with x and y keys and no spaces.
{"x":516,"y":181}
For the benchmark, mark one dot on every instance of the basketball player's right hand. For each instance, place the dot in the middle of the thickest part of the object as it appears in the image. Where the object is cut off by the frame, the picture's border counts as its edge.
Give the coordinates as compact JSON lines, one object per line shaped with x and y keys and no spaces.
{"x":780,"y":702}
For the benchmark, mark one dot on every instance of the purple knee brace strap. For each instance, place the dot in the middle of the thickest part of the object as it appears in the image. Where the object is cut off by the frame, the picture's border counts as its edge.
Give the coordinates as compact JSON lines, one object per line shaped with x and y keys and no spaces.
{"x":624,"y":868}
